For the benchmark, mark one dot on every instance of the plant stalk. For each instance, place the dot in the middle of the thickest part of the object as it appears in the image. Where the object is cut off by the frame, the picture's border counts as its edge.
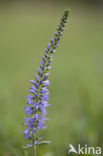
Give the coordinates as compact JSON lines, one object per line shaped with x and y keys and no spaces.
{"x":34,"y":151}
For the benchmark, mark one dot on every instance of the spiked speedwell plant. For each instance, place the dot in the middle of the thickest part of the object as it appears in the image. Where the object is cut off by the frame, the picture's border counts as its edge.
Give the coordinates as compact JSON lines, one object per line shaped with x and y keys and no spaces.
{"x":37,"y":100}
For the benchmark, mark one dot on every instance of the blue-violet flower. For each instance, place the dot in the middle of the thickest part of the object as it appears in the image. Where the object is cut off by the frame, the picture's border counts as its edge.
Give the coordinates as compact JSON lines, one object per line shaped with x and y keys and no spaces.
{"x":37,"y":100}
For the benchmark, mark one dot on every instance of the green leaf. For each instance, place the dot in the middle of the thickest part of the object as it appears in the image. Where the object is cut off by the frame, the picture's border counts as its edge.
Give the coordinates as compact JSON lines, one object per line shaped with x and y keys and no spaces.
{"x":44,"y":142}
{"x":27,"y":147}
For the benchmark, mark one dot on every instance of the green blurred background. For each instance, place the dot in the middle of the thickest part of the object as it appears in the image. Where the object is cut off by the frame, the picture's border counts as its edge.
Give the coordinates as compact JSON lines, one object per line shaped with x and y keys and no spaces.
{"x":76,"y":77}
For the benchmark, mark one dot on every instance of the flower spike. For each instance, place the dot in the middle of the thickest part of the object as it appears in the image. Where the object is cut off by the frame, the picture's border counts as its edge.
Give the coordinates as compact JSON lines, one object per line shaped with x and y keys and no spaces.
{"x":37,"y":101}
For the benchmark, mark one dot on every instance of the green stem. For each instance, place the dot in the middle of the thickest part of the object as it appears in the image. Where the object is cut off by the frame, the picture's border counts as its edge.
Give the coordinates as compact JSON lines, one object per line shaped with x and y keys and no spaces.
{"x":35,"y":151}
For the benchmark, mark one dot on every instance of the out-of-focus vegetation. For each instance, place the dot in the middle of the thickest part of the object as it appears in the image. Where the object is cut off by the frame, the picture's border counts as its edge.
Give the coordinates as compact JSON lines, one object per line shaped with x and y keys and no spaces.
{"x":76,"y":81}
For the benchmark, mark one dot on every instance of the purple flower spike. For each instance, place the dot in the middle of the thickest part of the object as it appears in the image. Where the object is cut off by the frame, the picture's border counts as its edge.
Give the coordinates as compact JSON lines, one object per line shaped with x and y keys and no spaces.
{"x":37,"y":101}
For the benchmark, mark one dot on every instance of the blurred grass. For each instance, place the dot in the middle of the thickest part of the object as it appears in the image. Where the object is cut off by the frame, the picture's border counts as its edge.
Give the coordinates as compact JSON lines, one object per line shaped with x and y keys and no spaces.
{"x":76,"y":81}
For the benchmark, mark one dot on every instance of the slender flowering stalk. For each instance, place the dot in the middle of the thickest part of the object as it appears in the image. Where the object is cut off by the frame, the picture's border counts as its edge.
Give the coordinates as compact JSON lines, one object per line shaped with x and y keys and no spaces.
{"x":37,"y":100}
